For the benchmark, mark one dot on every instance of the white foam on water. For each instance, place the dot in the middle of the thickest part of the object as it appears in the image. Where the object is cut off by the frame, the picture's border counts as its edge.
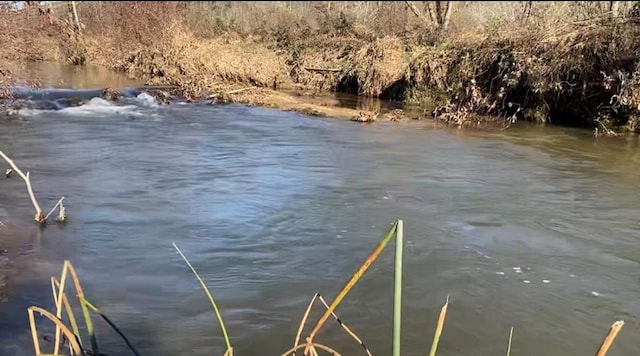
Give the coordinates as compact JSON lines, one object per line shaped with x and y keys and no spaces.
{"x":526,"y":281}
{"x":500,"y":273}
{"x":595,"y":294}
{"x":97,"y":106}
{"x":147,"y":100}
{"x":546,"y":281}
{"x":339,"y":236}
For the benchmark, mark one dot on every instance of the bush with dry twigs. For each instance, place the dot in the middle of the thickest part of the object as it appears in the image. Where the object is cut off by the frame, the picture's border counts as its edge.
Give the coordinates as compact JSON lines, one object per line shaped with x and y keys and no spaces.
{"x":570,"y":63}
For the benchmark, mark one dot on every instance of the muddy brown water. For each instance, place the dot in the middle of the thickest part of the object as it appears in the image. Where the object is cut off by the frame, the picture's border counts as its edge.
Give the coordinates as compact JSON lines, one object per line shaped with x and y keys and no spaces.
{"x":535,"y":228}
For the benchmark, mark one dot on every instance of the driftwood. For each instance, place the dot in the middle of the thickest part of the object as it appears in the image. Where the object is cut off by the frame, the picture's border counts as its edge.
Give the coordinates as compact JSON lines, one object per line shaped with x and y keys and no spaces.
{"x":39,"y":216}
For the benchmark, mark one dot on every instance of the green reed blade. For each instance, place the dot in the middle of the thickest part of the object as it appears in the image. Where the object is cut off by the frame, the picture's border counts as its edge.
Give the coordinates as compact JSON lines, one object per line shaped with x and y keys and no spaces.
{"x":206,"y":290}
{"x":397,"y":290}
{"x":85,"y":310}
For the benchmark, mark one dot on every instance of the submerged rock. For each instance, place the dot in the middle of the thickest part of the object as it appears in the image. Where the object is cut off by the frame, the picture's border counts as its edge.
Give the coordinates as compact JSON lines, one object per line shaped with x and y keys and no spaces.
{"x":364,"y":117}
{"x":111,"y":94}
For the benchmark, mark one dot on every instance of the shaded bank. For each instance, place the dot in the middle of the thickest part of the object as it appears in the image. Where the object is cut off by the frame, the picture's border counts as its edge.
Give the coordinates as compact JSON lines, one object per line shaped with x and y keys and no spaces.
{"x":568,"y":64}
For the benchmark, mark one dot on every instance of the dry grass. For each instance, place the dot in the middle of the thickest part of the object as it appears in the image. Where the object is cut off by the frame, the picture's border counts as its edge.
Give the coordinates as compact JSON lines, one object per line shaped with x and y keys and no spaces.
{"x":496,"y":58}
{"x":182,"y":58}
{"x":377,"y":67}
{"x":66,"y":324}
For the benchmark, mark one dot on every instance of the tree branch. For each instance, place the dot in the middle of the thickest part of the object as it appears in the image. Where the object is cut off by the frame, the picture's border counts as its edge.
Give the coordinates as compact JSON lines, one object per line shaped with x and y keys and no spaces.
{"x":417,"y":12}
{"x":39,"y":217}
{"x":447,"y":15}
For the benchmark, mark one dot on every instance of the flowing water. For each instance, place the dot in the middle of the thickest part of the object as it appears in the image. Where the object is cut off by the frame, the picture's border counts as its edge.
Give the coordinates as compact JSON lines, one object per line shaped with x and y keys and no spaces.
{"x":535,"y":228}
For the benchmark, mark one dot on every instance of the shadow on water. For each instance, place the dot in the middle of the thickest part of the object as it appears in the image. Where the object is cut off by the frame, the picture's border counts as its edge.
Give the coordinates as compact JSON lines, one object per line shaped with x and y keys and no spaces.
{"x":531,"y":228}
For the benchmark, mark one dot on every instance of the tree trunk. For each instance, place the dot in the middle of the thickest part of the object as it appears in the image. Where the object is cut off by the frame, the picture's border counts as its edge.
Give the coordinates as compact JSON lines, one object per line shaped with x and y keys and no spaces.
{"x":418,"y":14}
{"x":75,"y":15}
{"x":614,"y":7}
{"x":439,"y":13}
{"x":447,"y":16}
{"x":528,"y":6}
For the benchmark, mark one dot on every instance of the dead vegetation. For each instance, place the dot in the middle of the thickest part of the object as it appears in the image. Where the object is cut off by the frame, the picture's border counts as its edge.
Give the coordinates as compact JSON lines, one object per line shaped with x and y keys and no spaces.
{"x":570,"y":63}
{"x":71,"y":333}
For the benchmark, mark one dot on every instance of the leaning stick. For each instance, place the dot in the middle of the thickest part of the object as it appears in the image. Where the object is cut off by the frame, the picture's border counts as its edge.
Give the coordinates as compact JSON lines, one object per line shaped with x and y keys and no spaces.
{"x":39,"y":217}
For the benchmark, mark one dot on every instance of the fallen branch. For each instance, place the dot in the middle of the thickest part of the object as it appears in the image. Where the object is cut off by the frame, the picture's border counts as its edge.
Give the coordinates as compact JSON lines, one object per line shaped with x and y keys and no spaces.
{"x":236,"y":91}
{"x":239,"y":90}
{"x":333,"y":70}
{"x":59,"y":203}
{"x":607,"y":131}
{"x":39,"y":217}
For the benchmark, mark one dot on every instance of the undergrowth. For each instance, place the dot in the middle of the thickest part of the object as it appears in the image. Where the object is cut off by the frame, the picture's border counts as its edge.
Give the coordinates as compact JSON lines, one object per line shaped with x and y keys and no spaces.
{"x":561,"y":62}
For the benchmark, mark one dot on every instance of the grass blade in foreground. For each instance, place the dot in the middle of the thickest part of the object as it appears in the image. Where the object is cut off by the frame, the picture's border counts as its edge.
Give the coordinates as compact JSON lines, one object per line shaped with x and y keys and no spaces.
{"x":55,"y":285}
{"x":113,"y":326}
{"x":397,"y":289}
{"x":213,"y":303}
{"x":509,"y":346}
{"x":354,"y":279}
{"x":436,"y":337}
{"x":613,"y":332}
{"x":83,"y":306}
{"x":75,"y":347}
{"x":302,"y":322}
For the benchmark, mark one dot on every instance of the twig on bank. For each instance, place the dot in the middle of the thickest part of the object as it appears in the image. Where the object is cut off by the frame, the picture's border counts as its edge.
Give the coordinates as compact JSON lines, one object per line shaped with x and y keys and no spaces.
{"x":607,"y":131}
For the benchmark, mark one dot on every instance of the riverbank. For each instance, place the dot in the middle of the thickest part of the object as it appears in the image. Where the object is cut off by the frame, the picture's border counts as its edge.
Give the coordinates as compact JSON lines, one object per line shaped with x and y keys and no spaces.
{"x":566,"y":64}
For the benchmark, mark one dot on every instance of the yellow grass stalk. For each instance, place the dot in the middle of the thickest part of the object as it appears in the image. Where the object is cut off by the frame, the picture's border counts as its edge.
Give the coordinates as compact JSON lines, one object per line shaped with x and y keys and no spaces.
{"x":354,"y":279}
{"x":83,"y":305}
{"x":72,"y":319}
{"x":303,"y":322}
{"x":345,"y":327}
{"x":611,"y":336}
{"x":313,"y":346}
{"x":76,"y":349}
{"x":58,"y":301}
{"x":206,"y":290}
{"x":436,"y":337}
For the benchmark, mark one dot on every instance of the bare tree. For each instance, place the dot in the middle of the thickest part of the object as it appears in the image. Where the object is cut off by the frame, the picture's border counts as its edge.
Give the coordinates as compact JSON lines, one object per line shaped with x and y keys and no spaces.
{"x":442,"y":16}
{"x":447,"y":15}
{"x":614,"y":8}
{"x":528,"y":7}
